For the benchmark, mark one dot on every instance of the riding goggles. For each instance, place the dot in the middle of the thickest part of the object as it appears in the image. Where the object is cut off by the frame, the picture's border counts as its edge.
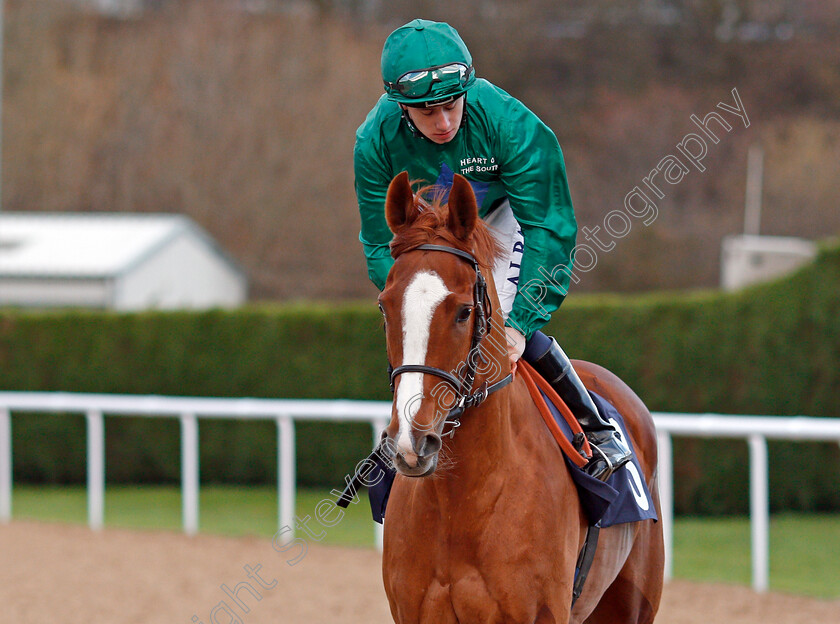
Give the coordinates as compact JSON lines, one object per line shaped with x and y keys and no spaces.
{"x":419,"y":83}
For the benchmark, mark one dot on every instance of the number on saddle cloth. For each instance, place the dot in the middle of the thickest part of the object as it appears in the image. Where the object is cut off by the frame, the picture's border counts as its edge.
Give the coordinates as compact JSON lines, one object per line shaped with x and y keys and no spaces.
{"x":625,"y":496}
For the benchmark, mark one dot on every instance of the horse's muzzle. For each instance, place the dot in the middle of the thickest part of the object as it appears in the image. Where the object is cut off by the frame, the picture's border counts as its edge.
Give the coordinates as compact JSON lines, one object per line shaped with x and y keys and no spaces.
{"x":421,"y":460}
{"x":414,"y":466}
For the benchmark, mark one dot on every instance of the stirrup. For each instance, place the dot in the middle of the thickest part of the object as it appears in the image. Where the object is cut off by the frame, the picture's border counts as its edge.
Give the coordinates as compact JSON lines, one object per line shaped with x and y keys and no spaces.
{"x":601,"y":466}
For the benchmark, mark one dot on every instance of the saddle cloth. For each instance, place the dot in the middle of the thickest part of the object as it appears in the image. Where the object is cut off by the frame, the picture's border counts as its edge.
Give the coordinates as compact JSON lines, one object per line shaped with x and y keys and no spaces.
{"x":623,"y":498}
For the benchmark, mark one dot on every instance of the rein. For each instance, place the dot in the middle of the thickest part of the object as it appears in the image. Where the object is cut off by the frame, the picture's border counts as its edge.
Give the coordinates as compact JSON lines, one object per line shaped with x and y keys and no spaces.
{"x":462,"y":383}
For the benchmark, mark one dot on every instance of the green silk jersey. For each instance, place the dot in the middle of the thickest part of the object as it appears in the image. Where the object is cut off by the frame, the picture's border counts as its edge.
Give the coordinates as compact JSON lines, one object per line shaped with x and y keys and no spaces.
{"x":506,"y":152}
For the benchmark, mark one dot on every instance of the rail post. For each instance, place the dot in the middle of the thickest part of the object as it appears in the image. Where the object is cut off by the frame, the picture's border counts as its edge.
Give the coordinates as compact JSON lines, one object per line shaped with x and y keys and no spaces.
{"x":189,"y":473}
{"x":5,"y":465}
{"x":286,"y":474}
{"x":378,"y":425}
{"x":665,"y":472}
{"x":95,"y":469}
{"x":759,"y":512}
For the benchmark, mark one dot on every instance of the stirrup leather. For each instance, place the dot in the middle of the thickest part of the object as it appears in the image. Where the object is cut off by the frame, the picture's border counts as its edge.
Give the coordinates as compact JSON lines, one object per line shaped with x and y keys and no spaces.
{"x":610,"y":451}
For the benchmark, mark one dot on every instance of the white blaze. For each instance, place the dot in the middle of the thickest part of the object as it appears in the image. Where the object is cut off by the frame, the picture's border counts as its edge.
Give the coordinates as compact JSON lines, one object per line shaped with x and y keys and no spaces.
{"x":420,"y":300}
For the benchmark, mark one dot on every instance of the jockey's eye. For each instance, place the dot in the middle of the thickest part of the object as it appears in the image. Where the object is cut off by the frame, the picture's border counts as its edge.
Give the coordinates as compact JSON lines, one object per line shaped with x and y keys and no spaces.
{"x":464,"y":314}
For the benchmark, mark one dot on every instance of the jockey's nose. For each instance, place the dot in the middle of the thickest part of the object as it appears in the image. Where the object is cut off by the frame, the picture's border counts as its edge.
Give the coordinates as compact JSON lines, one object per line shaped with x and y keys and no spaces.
{"x":443,"y":122}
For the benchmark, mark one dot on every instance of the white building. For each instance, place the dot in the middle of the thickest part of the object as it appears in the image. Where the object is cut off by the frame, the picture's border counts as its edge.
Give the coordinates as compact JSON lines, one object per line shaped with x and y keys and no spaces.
{"x":117,"y":261}
{"x":747,"y":259}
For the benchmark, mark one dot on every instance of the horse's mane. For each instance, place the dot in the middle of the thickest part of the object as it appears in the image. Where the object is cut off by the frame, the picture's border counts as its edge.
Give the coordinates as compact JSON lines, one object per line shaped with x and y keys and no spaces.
{"x":430,"y":226}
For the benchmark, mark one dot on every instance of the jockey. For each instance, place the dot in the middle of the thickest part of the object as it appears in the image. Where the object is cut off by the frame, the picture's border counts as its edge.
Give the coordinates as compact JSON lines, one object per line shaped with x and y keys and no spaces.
{"x":436,"y":119}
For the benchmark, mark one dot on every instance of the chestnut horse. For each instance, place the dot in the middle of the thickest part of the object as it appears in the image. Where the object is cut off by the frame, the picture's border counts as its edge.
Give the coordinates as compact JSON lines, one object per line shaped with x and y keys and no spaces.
{"x":486,"y":526}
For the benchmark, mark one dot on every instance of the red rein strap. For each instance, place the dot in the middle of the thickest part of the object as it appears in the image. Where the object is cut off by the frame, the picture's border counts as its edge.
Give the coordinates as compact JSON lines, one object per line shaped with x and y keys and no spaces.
{"x":535,"y":383}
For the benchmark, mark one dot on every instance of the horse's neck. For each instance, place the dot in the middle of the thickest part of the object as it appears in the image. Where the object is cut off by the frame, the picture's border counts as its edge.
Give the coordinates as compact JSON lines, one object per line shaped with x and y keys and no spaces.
{"x":483,"y":440}
{"x":481,"y":448}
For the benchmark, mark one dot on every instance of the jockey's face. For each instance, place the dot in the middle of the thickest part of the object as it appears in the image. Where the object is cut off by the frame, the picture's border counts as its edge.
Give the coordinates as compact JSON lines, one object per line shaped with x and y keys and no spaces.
{"x":439,"y":124}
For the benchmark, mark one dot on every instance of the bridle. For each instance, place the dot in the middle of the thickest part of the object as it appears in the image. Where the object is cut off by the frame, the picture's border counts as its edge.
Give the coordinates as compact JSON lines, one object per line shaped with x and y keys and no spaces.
{"x":463,"y":381}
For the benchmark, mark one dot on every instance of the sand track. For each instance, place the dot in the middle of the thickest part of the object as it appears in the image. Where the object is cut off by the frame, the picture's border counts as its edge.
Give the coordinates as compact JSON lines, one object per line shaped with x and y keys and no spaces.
{"x":68,"y":574}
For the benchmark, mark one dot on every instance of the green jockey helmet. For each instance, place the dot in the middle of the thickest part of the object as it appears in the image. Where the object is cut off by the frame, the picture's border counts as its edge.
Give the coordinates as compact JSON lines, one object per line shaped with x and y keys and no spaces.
{"x":426,"y":63}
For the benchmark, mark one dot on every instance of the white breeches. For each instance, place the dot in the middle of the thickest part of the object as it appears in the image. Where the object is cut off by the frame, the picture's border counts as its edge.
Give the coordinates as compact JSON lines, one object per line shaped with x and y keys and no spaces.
{"x":506,"y":230}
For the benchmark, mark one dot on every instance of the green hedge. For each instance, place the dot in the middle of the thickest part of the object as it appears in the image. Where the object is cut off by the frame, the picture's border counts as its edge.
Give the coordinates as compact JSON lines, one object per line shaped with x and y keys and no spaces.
{"x":315,"y":351}
{"x":771,"y":349}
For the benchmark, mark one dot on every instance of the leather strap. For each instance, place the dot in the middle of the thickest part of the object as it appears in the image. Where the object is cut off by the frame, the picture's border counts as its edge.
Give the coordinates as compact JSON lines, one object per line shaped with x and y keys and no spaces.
{"x":463,"y":254}
{"x":535,"y":383}
{"x":431,"y":370}
{"x":584,"y":562}
{"x":477,"y":398}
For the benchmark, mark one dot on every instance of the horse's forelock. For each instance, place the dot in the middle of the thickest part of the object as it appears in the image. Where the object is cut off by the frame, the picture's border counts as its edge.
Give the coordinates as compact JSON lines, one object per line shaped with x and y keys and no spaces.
{"x":431,"y":227}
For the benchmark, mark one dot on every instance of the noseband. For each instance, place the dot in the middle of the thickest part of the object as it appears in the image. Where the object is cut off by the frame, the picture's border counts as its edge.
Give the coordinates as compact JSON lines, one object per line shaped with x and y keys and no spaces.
{"x":463,"y":382}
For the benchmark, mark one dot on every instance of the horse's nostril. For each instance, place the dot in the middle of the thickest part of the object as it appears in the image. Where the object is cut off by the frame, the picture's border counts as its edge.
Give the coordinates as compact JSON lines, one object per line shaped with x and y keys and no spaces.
{"x":429,"y":445}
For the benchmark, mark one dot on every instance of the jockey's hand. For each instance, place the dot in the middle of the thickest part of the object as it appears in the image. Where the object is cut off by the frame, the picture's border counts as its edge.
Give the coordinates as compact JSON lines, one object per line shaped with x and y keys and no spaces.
{"x":515,"y":345}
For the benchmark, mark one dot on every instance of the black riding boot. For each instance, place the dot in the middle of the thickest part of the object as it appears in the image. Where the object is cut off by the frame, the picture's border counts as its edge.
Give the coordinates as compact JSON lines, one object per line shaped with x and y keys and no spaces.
{"x":609,"y":451}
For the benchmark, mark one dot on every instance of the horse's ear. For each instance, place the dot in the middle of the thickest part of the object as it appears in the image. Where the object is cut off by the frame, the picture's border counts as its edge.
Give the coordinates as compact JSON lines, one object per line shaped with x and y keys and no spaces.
{"x":400,"y":209}
{"x":463,"y":210}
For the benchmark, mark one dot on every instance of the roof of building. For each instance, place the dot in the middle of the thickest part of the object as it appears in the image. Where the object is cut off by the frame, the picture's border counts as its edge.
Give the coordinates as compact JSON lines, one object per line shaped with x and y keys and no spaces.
{"x":772,"y":244}
{"x":87,"y":245}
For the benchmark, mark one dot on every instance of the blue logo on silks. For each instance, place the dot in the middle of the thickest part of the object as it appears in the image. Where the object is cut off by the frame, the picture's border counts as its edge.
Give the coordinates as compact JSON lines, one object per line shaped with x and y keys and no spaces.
{"x":623,"y":498}
{"x":447,"y":176}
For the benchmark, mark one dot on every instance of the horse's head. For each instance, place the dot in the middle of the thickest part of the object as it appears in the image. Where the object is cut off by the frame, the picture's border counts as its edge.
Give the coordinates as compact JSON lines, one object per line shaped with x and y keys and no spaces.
{"x":437,"y":309}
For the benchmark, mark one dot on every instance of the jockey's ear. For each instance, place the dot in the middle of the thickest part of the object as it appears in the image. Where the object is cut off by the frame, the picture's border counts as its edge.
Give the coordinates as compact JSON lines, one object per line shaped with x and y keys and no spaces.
{"x":400,"y":209}
{"x":463,"y":211}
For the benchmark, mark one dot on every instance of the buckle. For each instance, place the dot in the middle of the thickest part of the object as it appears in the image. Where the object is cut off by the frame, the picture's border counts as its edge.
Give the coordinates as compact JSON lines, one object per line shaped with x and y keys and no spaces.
{"x":451,"y":433}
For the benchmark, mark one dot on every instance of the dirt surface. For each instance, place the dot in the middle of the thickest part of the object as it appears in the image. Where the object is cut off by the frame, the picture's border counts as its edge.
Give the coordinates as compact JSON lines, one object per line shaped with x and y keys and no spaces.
{"x":69,"y":574}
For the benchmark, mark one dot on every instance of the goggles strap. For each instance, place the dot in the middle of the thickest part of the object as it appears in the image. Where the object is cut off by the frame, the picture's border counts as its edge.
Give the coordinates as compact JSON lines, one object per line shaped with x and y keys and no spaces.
{"x":407,"y":119}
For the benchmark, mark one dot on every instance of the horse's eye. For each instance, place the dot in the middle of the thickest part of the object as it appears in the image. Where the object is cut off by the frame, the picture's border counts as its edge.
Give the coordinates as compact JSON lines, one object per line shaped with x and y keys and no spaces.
{"x":465,"y":314}
{"x":381,"y":309}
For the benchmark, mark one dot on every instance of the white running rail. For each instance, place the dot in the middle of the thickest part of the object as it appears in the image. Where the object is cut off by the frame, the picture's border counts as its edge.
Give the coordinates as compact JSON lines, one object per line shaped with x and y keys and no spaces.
{"x":754,"y":429}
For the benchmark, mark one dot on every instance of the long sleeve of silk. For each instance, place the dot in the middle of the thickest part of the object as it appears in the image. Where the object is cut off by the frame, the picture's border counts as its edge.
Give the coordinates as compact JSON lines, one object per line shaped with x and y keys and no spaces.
{"x":534,"y":175}
{"x":372,"y":179}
